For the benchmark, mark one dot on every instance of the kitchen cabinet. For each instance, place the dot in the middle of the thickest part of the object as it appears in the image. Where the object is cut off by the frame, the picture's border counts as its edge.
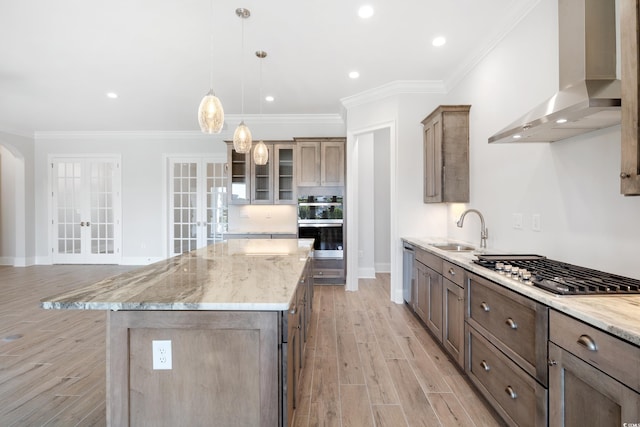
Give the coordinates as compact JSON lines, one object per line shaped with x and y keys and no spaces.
{"x":272,"y":183}
{"x":228,"y":236}
{"x":320,"y":162}
{"x":507,"y":337}
{"x":446,"y":155}
{"x":592,"y":376}
{"x":437,"y":297}
{"x":630,"y":50}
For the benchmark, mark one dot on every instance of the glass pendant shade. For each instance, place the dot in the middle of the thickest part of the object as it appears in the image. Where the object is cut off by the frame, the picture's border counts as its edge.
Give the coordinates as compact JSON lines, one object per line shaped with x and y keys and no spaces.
{"x":242,"y":139}
{"x":260,"y":153}
{"x":211,"y":114}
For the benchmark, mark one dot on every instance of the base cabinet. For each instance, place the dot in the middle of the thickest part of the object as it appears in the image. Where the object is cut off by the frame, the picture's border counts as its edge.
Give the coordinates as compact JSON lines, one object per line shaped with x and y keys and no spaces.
{"x":453,"y":320}
{"x":581,"y":395}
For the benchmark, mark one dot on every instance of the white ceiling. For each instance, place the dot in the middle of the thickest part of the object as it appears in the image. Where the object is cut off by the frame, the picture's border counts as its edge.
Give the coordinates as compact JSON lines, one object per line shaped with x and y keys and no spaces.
{"x":59,"y":58}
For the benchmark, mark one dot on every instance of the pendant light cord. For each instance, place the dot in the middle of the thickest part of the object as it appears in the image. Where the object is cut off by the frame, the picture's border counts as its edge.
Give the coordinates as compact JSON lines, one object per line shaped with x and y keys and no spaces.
{"x":211,"y":46}
{"x":242,"y":67}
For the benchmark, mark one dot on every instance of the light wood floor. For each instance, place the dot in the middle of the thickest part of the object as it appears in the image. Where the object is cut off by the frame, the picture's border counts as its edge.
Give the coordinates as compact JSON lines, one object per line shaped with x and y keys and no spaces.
{"x":369,"y":362}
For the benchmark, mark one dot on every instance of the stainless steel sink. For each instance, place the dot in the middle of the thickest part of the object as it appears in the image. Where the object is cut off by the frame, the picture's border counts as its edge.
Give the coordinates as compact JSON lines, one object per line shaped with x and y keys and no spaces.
{"x":453,"y":247}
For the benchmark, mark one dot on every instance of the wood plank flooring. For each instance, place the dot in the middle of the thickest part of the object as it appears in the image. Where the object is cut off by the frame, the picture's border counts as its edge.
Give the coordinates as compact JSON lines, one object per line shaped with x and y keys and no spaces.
{"x":369,"y":362}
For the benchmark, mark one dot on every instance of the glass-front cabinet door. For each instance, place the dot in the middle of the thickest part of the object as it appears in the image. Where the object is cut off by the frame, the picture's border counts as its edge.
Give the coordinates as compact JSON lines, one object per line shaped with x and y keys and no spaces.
{"x":239,"y":183}
{"x":284,"y":179}
{"x":262,"y":180}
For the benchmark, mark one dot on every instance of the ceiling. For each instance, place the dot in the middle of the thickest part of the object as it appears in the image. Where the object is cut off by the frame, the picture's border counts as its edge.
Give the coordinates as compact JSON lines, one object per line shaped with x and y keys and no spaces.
{"x":58,"y":59}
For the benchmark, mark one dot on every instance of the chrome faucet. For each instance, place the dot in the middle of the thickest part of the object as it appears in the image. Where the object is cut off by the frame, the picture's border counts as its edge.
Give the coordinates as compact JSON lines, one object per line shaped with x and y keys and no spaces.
{"x":484,"y":233}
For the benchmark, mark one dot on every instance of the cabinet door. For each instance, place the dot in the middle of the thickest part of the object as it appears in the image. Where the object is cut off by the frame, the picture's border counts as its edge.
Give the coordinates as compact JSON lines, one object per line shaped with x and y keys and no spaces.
{"x":434,"y":303}
{"x":239,"y":166}
{"x":630,"y":156}
{"x":581,"y":395}
{"x":453,"y":320}
{"x":262,"y":180}
{"x":332,"y":163}
{"x":284,"y":174}
{"x":433,"y":160}
{"x":419,"y":299}
{"x":308,"y":164}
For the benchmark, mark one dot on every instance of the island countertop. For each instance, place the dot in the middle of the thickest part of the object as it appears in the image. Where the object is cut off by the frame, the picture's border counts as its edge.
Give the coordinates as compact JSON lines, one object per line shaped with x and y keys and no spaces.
{"x":246,"y":274}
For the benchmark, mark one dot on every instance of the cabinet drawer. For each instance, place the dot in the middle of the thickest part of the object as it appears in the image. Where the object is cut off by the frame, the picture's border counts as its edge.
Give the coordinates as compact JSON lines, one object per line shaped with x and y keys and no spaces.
{"x":453,"y":272}
{"x":615,"y":357}
{"x":519,"y":397}
{"x":519,"y":324}
{"x":432,"y":261}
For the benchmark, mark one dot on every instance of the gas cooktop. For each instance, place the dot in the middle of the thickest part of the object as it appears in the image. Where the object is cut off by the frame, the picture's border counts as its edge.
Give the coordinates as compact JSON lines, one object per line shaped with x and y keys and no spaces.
{"x":559,"y":277}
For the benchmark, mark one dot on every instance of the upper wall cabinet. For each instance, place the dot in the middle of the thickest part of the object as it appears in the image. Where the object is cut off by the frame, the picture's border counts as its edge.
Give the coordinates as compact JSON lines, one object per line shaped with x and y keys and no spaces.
{"x":630,"y":155}
{"x":446,"y":154}
{"x":273,"y":183}
{"x":320,"y":162}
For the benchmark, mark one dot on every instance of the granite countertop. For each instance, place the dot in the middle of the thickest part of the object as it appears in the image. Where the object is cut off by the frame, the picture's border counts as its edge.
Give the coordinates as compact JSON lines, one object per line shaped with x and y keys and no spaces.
{"x":618,"y":315}
{"x":245,"y":274}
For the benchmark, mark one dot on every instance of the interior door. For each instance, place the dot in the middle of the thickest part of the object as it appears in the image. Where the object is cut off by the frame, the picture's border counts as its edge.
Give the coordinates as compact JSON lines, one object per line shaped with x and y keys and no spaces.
{"x":85,"y":215}
{"x":197,"y":203}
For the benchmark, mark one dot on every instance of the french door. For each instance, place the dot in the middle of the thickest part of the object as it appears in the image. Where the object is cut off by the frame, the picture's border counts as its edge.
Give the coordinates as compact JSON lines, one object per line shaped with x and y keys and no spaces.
{"x":85,"y":215}
{"x":197,"y":203}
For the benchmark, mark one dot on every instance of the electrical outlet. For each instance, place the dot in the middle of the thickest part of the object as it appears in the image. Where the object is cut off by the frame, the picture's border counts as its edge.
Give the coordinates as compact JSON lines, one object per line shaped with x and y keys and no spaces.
{"x":162,"y":354}
{"x":535,"y":222}
{"x":517,"y":221}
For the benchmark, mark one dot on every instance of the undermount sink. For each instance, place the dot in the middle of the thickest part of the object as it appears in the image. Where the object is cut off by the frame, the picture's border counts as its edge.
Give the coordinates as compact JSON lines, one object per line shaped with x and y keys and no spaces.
{"x":453,"y":247}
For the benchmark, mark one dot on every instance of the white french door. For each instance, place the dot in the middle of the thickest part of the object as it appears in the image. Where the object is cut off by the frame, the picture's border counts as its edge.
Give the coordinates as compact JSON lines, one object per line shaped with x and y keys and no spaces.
{"x":85,"y":215}
{"x":197,"y":203}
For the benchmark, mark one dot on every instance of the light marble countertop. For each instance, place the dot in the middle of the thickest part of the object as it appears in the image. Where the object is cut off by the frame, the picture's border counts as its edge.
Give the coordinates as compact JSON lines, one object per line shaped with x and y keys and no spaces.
{"x":243,"y":274}
{"x":617,"y":315}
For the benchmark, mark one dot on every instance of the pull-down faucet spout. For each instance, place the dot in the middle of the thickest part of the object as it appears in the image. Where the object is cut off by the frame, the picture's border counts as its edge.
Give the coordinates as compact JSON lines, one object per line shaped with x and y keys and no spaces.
{"x":484,"y":233}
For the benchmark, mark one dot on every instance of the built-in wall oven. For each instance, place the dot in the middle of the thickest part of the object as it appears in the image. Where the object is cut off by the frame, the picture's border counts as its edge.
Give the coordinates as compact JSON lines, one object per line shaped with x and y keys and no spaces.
{"x":321,"y":218}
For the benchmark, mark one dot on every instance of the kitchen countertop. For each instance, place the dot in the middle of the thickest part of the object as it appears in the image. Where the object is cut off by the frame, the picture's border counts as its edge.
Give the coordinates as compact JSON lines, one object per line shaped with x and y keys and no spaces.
{"x":618,"y":315}
{"x":245,"y":274}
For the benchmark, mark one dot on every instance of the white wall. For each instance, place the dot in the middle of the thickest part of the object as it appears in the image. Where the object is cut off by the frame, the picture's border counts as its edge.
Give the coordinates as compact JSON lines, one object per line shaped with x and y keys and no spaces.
{"x":382,"y":200}
{"x":573,"y":184}
{"x":366,"y":207}
{"x":144,"y":219}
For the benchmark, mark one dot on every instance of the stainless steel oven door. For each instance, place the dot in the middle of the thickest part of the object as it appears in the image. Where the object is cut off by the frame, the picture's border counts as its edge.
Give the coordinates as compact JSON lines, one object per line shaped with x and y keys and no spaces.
{"x":328,"y":237}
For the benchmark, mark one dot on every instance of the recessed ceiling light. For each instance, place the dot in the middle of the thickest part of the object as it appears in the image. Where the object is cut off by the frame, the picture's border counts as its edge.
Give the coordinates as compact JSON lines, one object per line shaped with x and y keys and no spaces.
{"x":354,"y":75}
{"x":365,"y":11}
{"x":517,"y":136}
{"x":112,"y":95}
{"x":561,"y":121}
{"x":439,"y":41}
{"x":269,"y":98}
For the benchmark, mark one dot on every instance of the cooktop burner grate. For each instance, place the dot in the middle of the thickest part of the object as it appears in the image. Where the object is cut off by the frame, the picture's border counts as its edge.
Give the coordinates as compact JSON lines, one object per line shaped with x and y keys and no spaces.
{"x":559,"y":277}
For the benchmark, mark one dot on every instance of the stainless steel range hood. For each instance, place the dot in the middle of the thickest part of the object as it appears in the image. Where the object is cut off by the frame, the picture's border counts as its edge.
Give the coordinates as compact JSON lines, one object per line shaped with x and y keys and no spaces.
{"x":590,"y":95}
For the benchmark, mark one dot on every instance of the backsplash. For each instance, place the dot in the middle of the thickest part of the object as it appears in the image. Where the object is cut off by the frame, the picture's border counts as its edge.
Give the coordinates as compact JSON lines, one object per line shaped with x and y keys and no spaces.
{"x":263,"y":218}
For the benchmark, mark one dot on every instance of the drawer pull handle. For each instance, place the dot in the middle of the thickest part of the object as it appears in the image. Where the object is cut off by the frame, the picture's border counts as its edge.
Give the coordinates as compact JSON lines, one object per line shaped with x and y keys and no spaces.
{"x":485,"y":366}
{"x":511,"y":323}
{"x":452,"y":271}
{"x":588,"y":342}
{"x":293,"y":310}
{"x":485,"y":306}
{"x":512,"y":394}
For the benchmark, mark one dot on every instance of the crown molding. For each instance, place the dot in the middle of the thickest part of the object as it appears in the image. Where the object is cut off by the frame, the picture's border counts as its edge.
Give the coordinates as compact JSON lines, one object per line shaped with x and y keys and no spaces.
{"x":231,"y":121}
{"x":394,"y":88}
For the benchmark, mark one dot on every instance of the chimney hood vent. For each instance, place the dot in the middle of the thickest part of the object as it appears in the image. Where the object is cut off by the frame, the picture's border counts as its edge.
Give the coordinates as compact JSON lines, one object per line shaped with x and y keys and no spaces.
{"x":590,"y":95}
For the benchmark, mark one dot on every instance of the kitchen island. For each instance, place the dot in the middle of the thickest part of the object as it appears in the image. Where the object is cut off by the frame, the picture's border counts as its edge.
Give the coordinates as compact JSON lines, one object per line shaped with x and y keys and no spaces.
{"x":233,"y":315}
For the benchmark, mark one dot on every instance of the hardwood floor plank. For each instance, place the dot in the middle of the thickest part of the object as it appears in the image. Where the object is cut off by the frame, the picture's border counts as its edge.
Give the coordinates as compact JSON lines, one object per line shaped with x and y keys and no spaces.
{"x":350,"y":366}
{"x":414,"y":402}
{"x":377,"y":376}
{"x":449,"y":410}
{"x":356,"y":408}
{"x":385,"y":336}
{"x":362,"y":327}
{"x":474,"y":405}
{"x":388,"y":416}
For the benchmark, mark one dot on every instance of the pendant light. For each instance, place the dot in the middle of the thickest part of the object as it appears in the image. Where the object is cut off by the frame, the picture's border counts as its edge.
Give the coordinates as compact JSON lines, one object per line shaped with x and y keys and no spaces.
{"x":210,"y":112}
{"x":242,"y":136}
{"x":260,"y":151}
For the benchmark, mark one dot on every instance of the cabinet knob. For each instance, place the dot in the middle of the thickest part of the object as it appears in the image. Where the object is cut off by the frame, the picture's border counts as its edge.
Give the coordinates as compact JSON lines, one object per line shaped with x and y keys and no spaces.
{"x":552,"y":362}
{"x":587,"y":342}
{"x":511,"y":323}
{"x":485,"y":306}
{"x":511,"y":392}
{"x":452,"y":271}
{"x":624,"y":175}
{"x":485,"y":365}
